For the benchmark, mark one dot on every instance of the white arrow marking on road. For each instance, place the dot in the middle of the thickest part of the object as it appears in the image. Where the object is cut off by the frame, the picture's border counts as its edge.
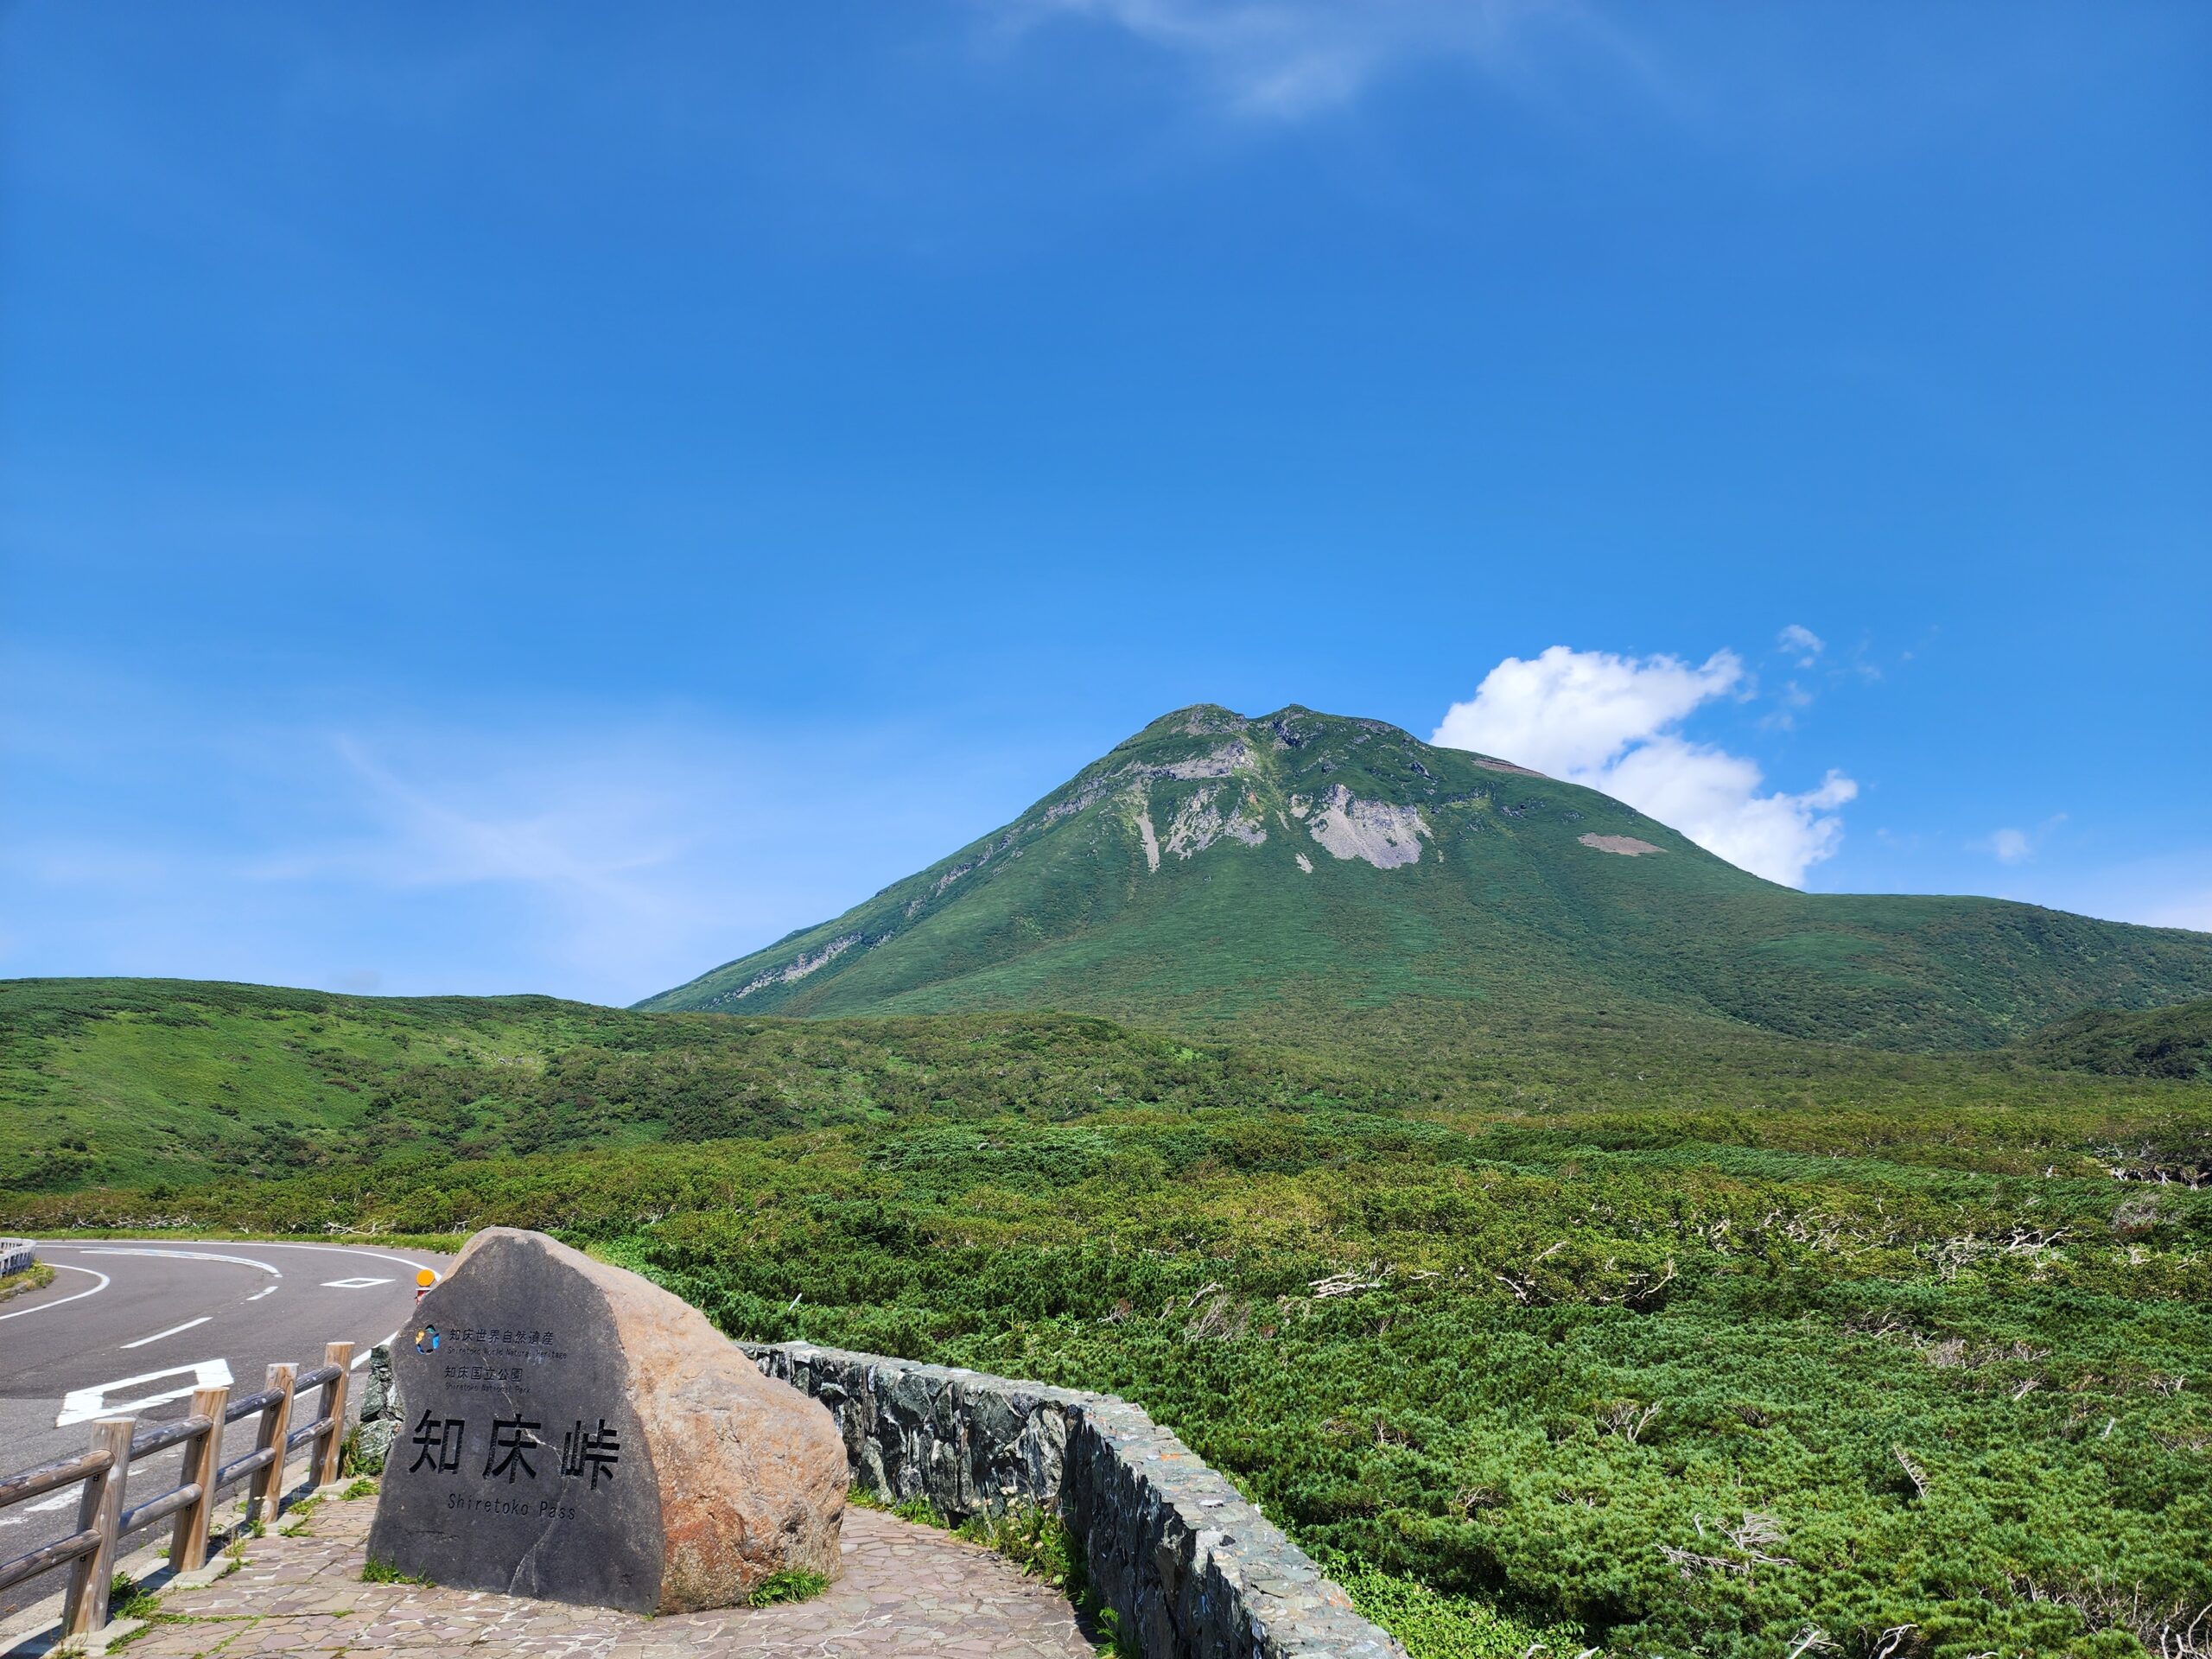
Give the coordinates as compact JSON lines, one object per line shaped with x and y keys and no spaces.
{"x":82,"y":1405}
{"x":104,"y":1281}
{"x":171,"y":1332}
{"x":352,"y":1284}
{"x":60,"y":1503}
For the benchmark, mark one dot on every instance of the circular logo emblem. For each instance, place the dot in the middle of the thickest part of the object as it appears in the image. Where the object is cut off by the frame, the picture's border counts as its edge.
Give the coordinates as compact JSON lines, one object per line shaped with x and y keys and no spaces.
{"x":426,"y":1340}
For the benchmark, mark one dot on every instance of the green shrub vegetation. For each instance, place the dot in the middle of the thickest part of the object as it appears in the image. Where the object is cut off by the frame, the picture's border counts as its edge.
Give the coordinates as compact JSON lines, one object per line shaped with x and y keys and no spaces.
{"x":1437,"y":1626}
{"x":792,"y":1583}
{"x":2173,"y":1042}
{"x":1036,"y":1541}
{"x":154,"y":1082}
{"x":1688,"y":1342}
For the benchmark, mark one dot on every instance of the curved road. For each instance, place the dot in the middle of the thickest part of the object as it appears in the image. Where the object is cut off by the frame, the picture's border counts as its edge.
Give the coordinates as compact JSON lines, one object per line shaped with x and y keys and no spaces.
{"x":129,"y":1326}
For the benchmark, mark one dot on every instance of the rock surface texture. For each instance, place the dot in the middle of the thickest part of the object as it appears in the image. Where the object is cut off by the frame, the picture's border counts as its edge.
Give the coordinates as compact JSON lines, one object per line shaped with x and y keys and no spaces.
{"x":1193,"y":1570}
{"x":575,"y":1433}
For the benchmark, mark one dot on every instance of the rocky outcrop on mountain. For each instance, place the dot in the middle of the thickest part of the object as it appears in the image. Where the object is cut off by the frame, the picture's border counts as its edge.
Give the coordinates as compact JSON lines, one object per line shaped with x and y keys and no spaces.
{"x":1385,"y":835}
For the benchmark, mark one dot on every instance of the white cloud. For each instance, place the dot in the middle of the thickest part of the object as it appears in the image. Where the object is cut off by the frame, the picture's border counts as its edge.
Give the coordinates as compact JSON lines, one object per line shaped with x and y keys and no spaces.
{"x":1802,"y":643}
{"x":1574,"y":711}
{"x":2012,"y":845}
{"x":1290,"y":58}
{"x":1611,"y":722}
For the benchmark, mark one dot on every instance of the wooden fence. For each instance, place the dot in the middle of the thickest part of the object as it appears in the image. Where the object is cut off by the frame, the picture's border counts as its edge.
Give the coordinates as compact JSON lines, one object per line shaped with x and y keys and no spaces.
{"x":102,"y":1522}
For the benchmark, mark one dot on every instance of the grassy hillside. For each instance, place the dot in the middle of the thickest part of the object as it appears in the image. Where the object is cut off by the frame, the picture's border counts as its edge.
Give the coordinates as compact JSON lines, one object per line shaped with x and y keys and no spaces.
{"x":1306,"y":877}
{"x":139,"y":1081}
{"x":2175,"y":1042}
{"x":1695,"y":1337}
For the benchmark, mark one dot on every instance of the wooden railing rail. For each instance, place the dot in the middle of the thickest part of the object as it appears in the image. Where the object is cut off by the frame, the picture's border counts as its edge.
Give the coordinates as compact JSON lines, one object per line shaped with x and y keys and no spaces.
{"x":36,"y":1482}
{"x":147,"y":1441}
{"x":103,"y":1471}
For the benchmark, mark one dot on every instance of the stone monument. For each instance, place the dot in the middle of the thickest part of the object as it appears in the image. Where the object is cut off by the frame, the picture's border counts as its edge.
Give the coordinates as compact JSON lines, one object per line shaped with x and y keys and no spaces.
{"x":574,"y":1433}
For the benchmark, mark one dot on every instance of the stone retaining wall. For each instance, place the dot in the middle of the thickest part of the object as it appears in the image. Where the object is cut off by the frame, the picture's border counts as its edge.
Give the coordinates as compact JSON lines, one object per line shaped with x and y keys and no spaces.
{"x":1193,"y":1570}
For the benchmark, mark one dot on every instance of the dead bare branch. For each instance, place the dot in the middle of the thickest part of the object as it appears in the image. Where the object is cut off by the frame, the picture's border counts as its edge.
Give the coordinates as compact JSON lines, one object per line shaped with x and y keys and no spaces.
{"x":1913,"y":1472}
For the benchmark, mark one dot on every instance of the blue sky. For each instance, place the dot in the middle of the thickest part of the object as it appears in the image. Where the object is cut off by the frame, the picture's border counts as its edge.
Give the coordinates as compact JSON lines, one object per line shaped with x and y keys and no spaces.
{"x":551,"y":497}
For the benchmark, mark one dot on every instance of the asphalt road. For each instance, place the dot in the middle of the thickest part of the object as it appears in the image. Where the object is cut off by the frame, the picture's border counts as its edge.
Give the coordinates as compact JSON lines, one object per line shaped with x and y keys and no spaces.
{"x":127,"y":1328}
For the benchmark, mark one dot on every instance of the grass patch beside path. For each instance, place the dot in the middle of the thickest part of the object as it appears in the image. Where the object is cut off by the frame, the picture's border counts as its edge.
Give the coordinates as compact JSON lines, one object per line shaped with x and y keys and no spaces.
{"x":37,"y":1276}
{"x":127,"y":1599}
{"x":385,"y":1572}
{"x":794,"y":1584}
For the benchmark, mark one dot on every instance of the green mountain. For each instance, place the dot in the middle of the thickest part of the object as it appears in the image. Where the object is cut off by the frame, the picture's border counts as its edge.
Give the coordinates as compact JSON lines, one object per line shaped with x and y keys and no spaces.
{"x":1316,"y":877}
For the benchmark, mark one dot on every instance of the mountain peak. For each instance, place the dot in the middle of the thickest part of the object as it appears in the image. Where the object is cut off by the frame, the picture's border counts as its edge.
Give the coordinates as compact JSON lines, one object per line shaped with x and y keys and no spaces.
{"x":1292,"y":726}
{"x":1300,"y":866}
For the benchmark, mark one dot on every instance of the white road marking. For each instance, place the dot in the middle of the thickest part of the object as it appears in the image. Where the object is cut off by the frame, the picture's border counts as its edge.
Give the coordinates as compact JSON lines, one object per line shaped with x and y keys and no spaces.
{"x":60,"y":1503}
{"x":171,"y":1332}
{"x":25,"y":1312}
{"x":352,"y":1284}
{"x":352,"y":1250}
{"x":82,"y":1405}
{"x":195,"y":1255}
{"x":258,"y":1294}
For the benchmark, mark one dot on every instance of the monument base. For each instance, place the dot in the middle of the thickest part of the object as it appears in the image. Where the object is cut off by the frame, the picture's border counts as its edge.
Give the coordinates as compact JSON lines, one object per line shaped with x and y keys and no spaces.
{"x":575,"y":1433}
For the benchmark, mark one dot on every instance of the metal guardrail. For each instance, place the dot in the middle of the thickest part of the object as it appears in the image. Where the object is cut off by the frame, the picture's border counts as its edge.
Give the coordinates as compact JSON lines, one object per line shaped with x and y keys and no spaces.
{"x":17,"y":1255}
{"x":103,"y":1522}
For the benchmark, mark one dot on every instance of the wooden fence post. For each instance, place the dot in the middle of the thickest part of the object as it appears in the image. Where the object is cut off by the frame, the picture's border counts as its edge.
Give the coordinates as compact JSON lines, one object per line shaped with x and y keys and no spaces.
{"x":276,"y":1423}
{"x":333,"y":1445}
{"x":188,"y":1540}
{"x":85,"y":1609}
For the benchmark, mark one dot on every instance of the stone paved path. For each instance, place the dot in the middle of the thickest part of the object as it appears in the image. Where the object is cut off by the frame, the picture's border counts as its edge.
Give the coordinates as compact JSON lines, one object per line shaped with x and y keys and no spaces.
{"x":906,"y":1590}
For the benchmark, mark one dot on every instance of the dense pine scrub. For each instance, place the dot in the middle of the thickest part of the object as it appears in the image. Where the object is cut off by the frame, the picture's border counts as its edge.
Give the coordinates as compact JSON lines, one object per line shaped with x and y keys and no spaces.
{"x":2174,"y":1042}
{"x":140,"y":1082}
{"x":1679,"y":1341}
